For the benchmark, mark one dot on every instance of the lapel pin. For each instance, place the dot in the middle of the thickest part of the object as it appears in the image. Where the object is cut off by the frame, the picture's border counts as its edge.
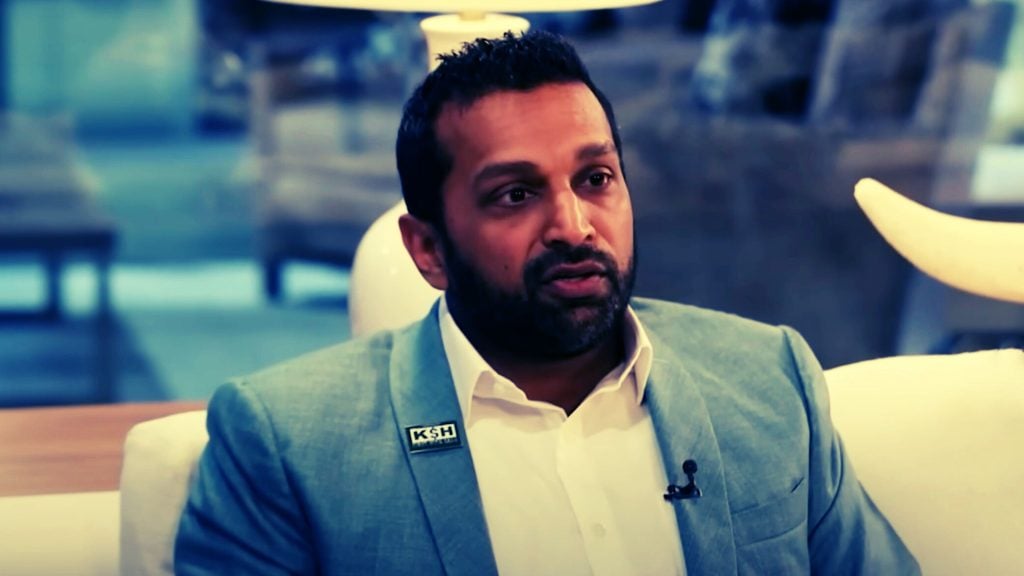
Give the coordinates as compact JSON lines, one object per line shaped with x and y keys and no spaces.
{"x":436,"y":437}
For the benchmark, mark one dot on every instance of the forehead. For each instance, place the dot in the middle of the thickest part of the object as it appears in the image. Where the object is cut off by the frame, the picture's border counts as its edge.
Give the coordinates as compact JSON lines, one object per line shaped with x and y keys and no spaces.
{"x":514,"y":122}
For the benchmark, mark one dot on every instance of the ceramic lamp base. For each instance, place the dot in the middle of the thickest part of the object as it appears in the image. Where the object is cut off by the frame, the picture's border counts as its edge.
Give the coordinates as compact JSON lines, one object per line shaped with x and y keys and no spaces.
{"x":448,"y":32}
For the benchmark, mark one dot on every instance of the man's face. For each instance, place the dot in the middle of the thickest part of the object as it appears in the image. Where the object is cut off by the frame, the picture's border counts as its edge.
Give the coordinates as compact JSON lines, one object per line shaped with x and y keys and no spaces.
{"x":539,"y":247}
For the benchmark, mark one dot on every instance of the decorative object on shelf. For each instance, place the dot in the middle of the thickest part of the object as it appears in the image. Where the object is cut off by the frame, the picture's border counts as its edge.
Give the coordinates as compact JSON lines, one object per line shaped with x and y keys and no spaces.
{"x":976,"y":256}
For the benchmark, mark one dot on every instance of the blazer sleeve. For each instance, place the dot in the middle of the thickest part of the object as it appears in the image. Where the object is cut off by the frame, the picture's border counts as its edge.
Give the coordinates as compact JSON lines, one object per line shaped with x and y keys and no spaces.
{"x":242,"y":516}
{"x":847,"y":534}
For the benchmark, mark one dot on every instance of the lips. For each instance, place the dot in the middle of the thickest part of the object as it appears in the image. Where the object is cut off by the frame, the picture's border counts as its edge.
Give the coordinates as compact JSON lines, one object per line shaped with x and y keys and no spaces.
{"x":578,"y":280}
{"x":573,"y":270}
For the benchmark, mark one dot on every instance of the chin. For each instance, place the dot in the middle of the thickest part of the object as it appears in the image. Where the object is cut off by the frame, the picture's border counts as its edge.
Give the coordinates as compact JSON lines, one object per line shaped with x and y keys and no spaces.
{"x":583,"y":327}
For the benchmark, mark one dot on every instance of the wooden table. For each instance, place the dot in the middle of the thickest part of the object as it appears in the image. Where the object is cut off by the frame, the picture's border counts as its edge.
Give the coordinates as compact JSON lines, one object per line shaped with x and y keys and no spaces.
{"x":71,"y":449}
{"x":55,"y":235}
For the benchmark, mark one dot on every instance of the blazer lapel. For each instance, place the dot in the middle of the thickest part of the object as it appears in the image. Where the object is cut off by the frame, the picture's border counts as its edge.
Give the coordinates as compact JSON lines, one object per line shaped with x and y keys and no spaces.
{"x":423,"y":394}
{"x":685,"y":432}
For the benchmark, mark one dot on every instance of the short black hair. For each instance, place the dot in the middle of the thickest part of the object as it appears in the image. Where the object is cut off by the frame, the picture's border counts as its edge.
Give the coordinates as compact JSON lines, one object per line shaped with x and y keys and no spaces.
{"x":482,"y":67}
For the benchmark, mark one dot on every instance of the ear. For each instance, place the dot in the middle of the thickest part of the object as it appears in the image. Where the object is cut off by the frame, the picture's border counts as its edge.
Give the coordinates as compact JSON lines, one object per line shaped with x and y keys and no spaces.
{"x":424,"y":246}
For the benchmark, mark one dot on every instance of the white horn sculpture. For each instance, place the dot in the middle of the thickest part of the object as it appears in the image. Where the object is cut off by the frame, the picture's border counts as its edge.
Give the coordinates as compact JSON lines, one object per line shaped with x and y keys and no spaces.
{"x":981,"y":257}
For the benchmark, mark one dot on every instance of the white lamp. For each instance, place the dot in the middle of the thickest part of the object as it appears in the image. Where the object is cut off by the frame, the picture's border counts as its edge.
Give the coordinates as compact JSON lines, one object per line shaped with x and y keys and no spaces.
{"x":466,"y":20}
{"x":386,"y":289}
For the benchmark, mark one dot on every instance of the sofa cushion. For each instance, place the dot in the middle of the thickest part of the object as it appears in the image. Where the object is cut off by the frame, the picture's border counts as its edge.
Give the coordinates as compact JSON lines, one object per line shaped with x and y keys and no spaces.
{"x":44,"y":535}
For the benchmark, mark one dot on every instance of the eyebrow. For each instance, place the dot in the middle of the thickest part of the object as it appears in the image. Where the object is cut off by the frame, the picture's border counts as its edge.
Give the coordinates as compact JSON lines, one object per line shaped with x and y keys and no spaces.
{"x":588,"y":152}
{"x":504,"y":169}
{"x":596,"y":150}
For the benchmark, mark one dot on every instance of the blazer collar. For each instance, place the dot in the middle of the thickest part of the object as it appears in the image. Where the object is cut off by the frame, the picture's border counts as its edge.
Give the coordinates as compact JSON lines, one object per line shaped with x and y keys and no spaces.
{"x":685,"y":432}
{"x":423,"y":394}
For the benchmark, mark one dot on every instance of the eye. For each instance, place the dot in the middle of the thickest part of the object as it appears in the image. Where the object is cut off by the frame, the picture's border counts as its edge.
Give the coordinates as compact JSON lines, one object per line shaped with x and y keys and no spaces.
{"x":516,"y":195}
{"x":598,"y":179}
{"x":513,"y":196}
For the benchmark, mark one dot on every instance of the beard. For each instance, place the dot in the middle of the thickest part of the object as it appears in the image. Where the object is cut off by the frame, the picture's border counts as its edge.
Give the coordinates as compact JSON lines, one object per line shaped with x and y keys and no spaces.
{"x":527,"y":324}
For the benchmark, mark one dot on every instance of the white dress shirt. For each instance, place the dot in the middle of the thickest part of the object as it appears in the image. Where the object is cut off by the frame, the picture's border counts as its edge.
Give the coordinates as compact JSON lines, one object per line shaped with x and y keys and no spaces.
{"x":567,"y":495}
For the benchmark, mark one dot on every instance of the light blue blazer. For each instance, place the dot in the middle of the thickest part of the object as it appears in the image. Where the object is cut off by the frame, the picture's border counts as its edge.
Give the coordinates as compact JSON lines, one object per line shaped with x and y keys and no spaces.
{"x":309,"y":470}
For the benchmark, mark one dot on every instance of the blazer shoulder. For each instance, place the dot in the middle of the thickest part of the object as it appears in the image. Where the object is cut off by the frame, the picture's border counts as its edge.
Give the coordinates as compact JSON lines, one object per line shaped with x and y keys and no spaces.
{"x":338,"y":377}
{"x":721,"y":347}
{"x":702,"y":327}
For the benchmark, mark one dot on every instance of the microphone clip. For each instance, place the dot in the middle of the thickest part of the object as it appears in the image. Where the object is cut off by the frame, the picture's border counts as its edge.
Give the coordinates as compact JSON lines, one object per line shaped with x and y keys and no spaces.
{"x":690,"y":490}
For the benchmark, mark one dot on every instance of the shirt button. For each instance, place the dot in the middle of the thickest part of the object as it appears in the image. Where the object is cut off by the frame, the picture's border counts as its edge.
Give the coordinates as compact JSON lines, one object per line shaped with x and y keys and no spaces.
{"x":599,"y":530}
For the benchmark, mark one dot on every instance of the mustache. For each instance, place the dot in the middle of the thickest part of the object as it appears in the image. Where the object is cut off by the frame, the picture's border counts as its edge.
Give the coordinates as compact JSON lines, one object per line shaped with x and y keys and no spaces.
{"x":537,"y":268}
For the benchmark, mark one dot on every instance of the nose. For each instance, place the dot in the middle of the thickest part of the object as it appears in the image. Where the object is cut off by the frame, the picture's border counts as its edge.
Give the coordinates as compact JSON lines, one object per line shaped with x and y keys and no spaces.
{"x":568,"y":220}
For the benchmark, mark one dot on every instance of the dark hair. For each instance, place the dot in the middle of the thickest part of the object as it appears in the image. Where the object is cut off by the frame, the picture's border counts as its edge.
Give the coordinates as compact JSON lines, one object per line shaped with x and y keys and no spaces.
{"x":481,"y":68}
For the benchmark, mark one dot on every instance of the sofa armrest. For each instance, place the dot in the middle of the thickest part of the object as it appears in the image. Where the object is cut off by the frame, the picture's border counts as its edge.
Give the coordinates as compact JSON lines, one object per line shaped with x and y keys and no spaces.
{"x":160,"y":458}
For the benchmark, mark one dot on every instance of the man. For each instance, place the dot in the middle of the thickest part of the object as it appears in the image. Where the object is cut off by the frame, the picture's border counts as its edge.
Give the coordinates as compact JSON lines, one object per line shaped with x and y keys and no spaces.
{"x":538,"y":420}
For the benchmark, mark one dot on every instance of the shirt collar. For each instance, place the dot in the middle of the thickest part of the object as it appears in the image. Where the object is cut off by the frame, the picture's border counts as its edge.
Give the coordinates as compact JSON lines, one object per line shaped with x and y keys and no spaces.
{"x":469,"y":368}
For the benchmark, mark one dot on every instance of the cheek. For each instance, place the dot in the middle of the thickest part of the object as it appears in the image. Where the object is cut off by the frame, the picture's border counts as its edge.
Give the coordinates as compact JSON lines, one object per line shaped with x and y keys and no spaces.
{"x":507,"y":265}
{"x":624,"y":252}
{"x":498,"y":258}
{"x":505,"y":248}
{"x":618,"y":232}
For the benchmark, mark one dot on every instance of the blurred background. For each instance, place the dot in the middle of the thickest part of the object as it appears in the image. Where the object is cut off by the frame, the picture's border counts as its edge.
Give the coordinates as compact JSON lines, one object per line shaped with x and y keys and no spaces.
{"x":183,"y":183}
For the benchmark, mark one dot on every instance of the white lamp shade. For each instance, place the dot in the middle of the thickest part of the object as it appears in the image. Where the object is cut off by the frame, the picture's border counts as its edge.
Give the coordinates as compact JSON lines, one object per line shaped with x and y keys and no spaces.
{"x":471,"y":6}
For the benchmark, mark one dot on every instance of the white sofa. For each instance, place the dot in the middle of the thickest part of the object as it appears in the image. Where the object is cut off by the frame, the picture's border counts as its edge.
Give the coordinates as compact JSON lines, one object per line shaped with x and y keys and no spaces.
{"x":938,"y":441}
